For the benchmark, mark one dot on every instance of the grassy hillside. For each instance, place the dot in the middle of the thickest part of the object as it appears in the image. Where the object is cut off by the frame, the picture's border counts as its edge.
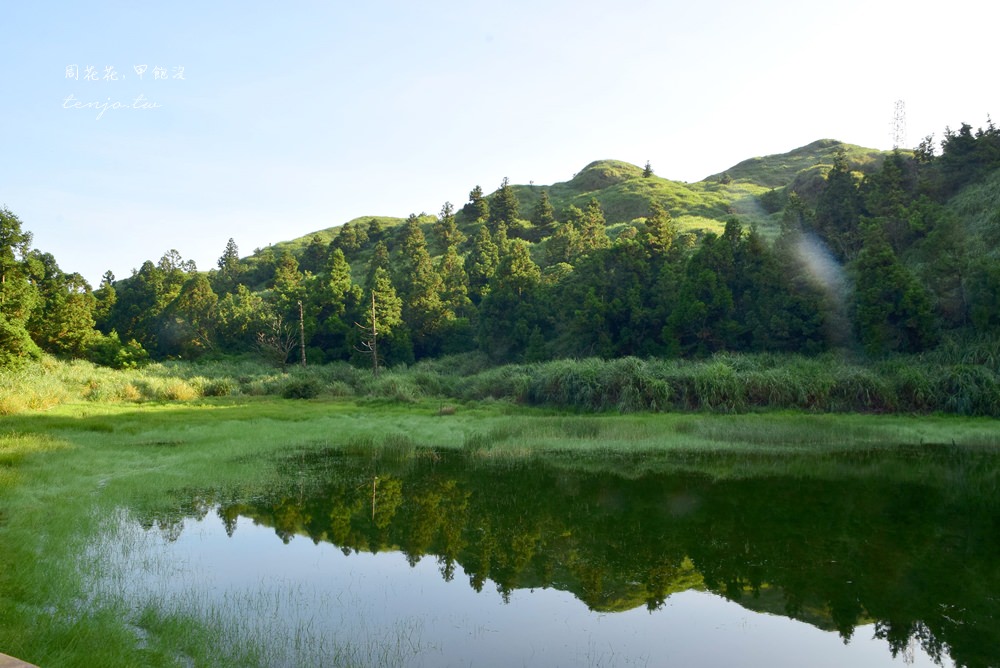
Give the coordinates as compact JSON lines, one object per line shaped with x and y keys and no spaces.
{"x":625,"y":194}
{"x":780,"y":170}
{"x":298,"y":245}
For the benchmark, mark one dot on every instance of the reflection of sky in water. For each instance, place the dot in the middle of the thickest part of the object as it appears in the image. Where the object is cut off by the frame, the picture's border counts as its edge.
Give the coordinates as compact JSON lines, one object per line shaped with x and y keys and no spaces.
{"x":314,"y":591}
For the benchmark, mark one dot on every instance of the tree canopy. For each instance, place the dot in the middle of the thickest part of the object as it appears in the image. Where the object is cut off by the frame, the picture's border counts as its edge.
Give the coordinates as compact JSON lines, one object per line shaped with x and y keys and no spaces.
{"x":878,"y":257}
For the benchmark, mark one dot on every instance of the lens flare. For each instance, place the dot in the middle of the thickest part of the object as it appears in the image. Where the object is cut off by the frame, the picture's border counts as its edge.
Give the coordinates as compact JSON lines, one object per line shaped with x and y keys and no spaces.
{"x":825,"y":273}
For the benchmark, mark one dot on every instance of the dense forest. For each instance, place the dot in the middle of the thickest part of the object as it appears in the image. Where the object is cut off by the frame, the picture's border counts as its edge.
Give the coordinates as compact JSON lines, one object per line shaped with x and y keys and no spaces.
{"x":829,"y":247}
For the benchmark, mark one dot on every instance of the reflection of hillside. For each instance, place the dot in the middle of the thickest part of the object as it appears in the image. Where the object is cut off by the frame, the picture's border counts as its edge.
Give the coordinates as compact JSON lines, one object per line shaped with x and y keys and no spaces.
{"x":917,"y":559}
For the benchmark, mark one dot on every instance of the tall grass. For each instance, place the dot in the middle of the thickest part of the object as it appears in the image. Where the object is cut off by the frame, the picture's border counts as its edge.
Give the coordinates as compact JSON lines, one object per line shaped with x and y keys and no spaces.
{"x":963,"y":380}
{"x":730,"y":383}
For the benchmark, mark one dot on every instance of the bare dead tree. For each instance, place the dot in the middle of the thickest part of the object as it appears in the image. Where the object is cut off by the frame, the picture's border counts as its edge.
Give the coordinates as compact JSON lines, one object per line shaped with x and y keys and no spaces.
{"x":302,"y":333}
{"x":277,"y":342}
{"x":369,"y":342}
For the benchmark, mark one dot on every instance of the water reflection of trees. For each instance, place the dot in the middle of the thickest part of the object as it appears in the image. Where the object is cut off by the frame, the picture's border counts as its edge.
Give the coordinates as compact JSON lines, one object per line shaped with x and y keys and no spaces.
{"x":916,"y":558}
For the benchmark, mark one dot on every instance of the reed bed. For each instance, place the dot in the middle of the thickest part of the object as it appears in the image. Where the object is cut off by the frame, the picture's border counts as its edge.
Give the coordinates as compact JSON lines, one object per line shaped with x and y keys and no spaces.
{"x":962,"y":381}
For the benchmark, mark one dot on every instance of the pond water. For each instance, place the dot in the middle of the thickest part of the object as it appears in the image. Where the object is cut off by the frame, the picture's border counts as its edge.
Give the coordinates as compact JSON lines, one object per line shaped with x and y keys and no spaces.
{"x":434,"y":560}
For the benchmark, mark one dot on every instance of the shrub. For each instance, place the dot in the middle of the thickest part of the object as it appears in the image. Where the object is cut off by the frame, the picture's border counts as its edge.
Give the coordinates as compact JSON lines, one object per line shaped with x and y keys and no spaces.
{"x":109,"y":351}
{"x":302,"y":388}
{"x":220,"y":387}
{"x":339,"y":389}
{"x":511,"y":382}
{"x":970,"y":390}
{"x":395,"y":385}
{"x":111,"y":389}
{"x":16,"y":346}
{"x":179,"y":390}
{"x":719,"y":387}
{"x":861,"y":389}
{"x":629,"y":385}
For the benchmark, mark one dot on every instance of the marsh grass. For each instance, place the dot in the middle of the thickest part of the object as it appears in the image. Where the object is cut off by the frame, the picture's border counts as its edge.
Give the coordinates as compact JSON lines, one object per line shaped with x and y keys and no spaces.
{"x":729,"y":383}
{"x":104,"y":457}
{"x":15,"y":447}
{"x":396,"y":447}
{"x":962,"y":378}
{"x":92,"y":447}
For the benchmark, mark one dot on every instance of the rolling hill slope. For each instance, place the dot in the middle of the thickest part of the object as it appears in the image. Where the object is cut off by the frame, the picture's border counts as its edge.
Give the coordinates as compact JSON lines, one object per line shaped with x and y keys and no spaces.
{"x":625,"y":194}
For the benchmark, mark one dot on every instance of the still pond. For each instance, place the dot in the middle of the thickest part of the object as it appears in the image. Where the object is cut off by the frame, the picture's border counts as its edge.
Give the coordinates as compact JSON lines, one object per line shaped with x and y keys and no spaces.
{"x":458,"y":559}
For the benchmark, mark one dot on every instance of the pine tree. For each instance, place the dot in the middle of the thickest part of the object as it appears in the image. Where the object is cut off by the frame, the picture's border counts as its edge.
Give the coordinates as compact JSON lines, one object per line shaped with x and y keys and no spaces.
{"x":563,"y":245}
{"x":337,"y":285}
{"x":454,"y":284}
{"x":839,"y":209}
{"x":63,"y":319}
{"x":315,"y":255}
{"x":380,"y":260}
{"x":605,"y":306}
{"x":510,"y":310}
{"x":594,"y":233}
{"x":106,"y":297}
{"x":893,"y":311}
{"x":143,"y":297}
{"x":18,"y":296}
{"x":375,"y":232}
{"x":660,"y":229}
{"x":230,"y":270}
{"x":517,"y":273}
{"x":379,"y":331}
{"x":504,"y":207}
{"x":544,"y":216}
{"x":423,"y":311}
{"x":288,"y":289}
{"x":706,"y":317}
{"x":481,"y":263}
{"x":350,"y":239}
{"x":230,"y":258}
{"x":190,"y":321}
{"x":329,"y":296}
{"x":478,"y":208}
{"x":446,"y":229}
{"x":14,"y":246}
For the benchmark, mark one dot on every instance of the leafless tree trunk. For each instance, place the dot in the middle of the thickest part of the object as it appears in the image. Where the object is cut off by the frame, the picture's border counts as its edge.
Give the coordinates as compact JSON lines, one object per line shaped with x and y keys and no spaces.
{"x":369,"y":344}
{"x":302,"y":333}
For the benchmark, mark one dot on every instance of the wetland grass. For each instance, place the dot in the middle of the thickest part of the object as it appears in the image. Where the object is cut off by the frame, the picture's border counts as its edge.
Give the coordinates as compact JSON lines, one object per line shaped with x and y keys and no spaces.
{"x":78,"y":444}
{"x":958,"y":382}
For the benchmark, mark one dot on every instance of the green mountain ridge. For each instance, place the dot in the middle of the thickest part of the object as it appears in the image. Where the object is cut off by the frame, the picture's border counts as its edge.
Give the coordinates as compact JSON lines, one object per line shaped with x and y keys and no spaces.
{"x":625,"y":194}
{"x":782,"y":169}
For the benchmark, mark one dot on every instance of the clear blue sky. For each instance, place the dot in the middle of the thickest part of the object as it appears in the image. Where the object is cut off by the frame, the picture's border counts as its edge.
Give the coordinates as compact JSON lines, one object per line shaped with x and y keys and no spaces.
{"x":270,"y":120}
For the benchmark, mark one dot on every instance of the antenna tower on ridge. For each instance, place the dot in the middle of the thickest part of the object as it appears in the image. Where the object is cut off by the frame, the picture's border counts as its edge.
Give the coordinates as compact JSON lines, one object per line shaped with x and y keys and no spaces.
{"x":899,"y":125}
